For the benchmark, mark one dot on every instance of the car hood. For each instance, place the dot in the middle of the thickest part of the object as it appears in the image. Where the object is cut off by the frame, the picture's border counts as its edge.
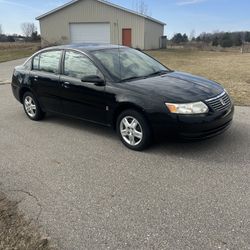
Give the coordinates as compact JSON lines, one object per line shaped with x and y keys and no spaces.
{"x":176,"y":87}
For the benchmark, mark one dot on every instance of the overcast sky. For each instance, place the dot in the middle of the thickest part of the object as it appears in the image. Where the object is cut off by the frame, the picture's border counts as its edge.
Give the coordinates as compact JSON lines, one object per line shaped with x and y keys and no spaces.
{"x":180,"y":15}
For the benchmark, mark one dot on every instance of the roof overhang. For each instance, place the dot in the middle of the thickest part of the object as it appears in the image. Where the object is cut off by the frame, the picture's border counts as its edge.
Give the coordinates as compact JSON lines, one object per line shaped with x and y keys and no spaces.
{"x":104,"y":2}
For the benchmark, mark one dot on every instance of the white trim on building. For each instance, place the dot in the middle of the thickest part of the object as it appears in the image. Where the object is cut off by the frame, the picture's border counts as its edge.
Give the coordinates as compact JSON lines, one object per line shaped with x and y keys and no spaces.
{"x":101,"y":1}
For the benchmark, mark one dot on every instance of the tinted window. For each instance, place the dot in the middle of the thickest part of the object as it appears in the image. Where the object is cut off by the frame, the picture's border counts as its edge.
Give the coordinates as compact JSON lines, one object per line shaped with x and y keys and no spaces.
{"x":27,"y":65}
{"x":36,"y":62}
{"x":126,"y":63}
{"x":77,"y":65}
{"x":49,"y":61}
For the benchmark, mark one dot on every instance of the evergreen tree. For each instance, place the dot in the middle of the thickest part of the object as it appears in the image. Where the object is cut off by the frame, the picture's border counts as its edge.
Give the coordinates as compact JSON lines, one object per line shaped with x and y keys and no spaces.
{"x":215,"y":41}
{"x":184,"y":38}
{"x":178,"y":38}
{"x":247,"y":36}
{"x":226,"y":40}
{"x":237,"y":40}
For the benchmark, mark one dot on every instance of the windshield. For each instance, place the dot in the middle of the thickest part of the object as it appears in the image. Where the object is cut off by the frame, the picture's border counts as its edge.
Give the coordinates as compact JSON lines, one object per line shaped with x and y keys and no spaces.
{"x":126,"y":64}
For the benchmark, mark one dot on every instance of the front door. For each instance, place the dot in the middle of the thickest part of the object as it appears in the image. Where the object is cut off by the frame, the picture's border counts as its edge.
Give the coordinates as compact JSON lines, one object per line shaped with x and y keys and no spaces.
{"x":82,"y":99}
{"x":127,"y":37}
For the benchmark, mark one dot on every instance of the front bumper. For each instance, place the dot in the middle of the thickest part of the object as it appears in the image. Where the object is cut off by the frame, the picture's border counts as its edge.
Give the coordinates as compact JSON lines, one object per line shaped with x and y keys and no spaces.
{"x":205,"y":134}
{"x":207,"y":126}
{"x":196,"y":126}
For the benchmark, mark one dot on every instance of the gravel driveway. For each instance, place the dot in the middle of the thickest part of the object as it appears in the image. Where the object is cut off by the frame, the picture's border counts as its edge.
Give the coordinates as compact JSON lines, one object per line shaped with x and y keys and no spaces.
{"x":89,"y":192}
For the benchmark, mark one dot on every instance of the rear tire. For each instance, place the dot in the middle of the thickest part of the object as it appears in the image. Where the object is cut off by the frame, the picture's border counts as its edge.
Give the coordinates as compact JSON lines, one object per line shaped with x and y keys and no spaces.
{"x":32,"y":107}
{"x":133,"y":130}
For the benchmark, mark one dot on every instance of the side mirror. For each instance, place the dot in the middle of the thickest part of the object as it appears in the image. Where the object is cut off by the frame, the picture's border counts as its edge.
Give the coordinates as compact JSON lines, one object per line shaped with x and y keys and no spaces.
{"x":97,"y":80}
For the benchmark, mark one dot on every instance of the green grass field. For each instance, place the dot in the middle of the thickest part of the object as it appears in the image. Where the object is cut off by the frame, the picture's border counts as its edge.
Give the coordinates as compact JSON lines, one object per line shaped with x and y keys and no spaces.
{"x":231,"y":69}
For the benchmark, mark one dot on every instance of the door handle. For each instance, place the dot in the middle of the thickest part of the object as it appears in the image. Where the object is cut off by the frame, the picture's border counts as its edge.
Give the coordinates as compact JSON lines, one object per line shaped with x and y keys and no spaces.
{"x":36,"y":78}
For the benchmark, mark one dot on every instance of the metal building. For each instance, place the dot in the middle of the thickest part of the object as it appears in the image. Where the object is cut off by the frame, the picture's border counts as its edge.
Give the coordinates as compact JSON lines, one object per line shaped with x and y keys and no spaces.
{"x":99,"y":21}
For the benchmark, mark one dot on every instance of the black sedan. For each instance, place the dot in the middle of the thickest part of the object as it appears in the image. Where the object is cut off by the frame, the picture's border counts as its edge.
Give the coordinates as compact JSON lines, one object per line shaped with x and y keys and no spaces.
{"x":122,"y":88}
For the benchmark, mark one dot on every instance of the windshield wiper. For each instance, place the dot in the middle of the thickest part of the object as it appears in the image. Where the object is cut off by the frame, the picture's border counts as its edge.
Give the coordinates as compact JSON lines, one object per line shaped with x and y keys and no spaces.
{"x":158,"y":73}
{"x":132,"y":78}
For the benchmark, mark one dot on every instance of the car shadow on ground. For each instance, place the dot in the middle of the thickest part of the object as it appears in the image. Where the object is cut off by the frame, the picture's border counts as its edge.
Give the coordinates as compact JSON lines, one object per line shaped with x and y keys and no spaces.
{"x":218,"y":149}
{"x":81,"y":125}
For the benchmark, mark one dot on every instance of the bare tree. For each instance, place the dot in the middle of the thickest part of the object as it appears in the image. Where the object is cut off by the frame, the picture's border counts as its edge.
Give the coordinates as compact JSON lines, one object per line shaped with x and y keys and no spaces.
{"x":192,"y":35}
{"x":1,"y":29}
{"x":141,"y":7}
{"x":28,"y":29}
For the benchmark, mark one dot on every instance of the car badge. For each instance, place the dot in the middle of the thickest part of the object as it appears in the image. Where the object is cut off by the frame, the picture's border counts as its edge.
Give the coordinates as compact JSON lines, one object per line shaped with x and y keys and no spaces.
{"x":222,"y":102}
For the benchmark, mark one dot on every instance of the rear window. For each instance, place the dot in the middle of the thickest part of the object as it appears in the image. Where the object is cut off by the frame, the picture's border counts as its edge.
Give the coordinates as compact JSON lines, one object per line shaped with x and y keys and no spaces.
{"x":36,"y":62}
{"x":27,"y":65}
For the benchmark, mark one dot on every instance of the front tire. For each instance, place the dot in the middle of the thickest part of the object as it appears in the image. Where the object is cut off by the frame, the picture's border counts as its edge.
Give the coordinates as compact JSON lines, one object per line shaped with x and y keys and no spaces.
{"x":133,"y":130}
{"x":32,"y":107}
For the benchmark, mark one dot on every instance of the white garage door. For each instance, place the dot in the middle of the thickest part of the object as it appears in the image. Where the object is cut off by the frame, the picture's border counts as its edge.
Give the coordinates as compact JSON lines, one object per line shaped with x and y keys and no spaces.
{"x":90,"y":32}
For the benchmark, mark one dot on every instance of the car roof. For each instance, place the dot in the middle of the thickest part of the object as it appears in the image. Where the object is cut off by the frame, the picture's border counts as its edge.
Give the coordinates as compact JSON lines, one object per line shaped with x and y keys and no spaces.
{"x":87,"y":46}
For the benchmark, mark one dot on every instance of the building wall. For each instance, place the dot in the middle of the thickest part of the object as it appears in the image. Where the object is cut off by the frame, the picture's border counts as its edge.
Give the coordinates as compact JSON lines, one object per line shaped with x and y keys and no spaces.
{"x":55,"y":27}
{"x":153,"y":32}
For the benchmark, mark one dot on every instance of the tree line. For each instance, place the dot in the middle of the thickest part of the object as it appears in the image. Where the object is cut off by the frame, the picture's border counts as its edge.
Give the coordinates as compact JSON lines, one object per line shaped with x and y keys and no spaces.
{"x":223,"y":39}
{"x":29,"y":32}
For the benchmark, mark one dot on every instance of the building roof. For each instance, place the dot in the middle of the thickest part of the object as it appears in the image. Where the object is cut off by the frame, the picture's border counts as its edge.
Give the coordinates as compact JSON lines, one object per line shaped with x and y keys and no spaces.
{"x":104,"y":2}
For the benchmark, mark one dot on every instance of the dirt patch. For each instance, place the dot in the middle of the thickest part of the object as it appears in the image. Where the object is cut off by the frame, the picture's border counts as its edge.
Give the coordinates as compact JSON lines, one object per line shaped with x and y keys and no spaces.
{"x":16,"y":232}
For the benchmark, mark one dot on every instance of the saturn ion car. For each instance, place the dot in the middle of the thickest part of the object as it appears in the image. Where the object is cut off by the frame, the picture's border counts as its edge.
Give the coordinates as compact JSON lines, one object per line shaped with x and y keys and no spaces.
{"x":122,"y":88}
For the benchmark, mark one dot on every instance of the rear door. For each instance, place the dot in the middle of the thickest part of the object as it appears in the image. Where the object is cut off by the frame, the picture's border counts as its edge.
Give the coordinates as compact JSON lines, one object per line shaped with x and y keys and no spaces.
{"x":82,"y":99}
{"x":44,"y":78}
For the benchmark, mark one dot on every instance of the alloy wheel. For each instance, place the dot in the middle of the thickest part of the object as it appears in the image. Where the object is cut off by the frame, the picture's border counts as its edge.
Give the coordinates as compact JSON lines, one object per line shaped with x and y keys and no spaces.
{"x":30,"y":106}
{"x":131,"y":130}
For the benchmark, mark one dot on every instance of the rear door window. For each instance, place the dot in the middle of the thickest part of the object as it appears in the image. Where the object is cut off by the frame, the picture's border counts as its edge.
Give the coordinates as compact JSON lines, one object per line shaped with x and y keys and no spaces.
{"x":47,"y":61}
{"x":50,"y":61}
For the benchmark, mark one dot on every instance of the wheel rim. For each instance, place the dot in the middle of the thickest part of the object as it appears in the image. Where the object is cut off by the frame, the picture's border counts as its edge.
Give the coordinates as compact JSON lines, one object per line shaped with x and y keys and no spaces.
{"x":30,"y":106}
{"x":131,"y":131}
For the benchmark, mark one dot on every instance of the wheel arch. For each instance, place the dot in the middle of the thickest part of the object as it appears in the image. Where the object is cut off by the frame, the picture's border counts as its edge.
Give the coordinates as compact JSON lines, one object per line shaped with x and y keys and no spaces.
{"x":125,"y":106}
{"x":22,"y":91}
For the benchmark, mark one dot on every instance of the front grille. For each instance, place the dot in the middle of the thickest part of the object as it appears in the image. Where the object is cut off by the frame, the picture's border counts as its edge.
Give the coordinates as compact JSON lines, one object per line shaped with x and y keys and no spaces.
{"x":220,"y":102}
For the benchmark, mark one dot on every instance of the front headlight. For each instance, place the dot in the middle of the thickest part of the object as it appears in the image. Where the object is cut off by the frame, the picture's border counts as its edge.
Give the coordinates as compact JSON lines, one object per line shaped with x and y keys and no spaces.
{"x":187,"y":108}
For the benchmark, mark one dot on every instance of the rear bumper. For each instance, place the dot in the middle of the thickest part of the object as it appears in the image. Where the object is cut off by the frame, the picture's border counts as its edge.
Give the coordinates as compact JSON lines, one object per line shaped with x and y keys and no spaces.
{"x":15,"y":91}
{"x":196,"y":126}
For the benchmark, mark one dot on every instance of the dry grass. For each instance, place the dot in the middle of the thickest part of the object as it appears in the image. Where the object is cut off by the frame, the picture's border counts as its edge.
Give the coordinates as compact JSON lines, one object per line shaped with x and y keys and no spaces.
{"x":16,"y":232}
{"x":12,"y":51}
{"x":231,"y":69}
